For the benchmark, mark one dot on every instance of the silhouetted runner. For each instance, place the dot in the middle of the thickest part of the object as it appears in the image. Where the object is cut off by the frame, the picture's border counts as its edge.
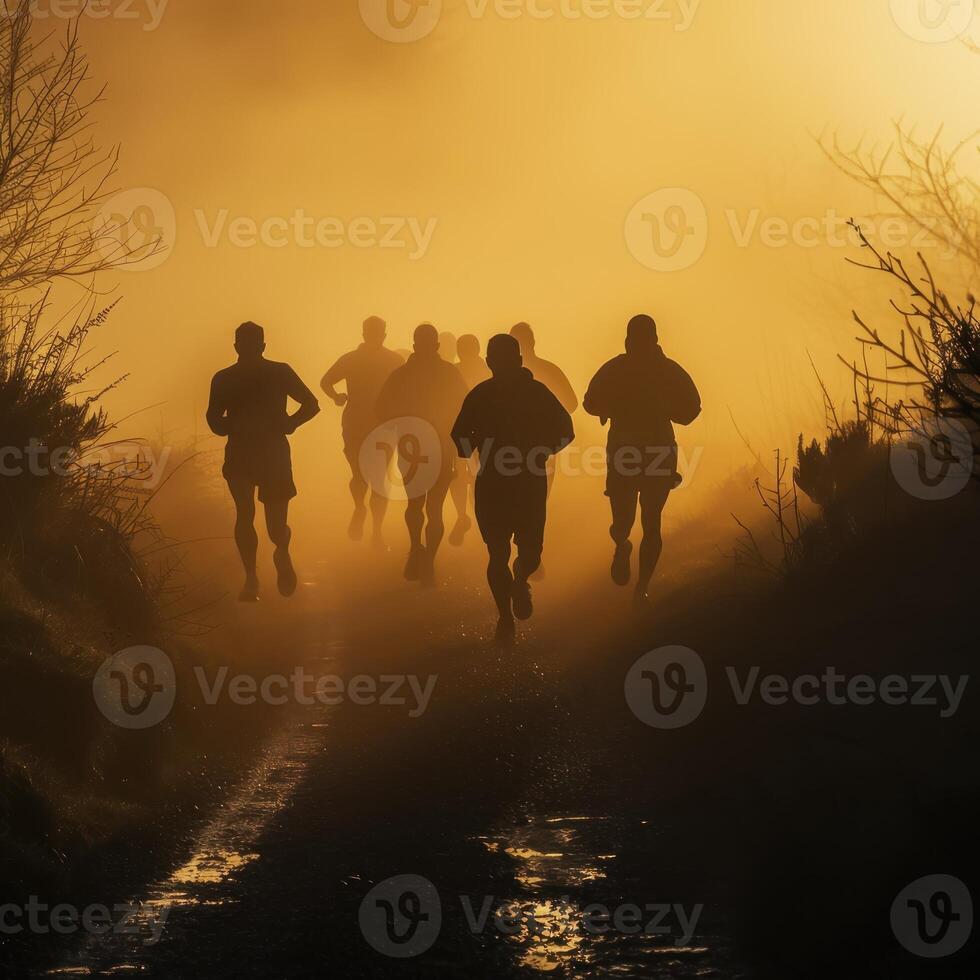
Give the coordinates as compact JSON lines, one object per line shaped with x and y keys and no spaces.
{"x":641,"y":393}
{"x":248,"y":404}
{"x":364,"y":371}
{"x":447,"y":346}
{"x":474,"y":369}
{"x":421,"y":399}
{"x":549,"y":374}
{"x":516,"y":424}
{"x":471,"y":365}
{"x":552,"y":377}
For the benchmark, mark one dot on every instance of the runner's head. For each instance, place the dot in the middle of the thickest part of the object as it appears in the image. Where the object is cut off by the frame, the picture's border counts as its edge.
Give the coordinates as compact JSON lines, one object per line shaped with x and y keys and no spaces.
{"x":249,"y":340}
{"x":641,"y":334}
{"x":503,"y":354}
{"x":468,"y":347}
{"x":426,"y":339}
{"x":524,"y":335}
{"x":374,"y":331}
{"x":447,"y":346}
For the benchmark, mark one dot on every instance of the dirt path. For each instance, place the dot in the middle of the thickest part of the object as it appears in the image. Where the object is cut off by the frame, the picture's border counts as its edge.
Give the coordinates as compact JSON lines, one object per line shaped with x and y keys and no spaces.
{"x":487,"y":798}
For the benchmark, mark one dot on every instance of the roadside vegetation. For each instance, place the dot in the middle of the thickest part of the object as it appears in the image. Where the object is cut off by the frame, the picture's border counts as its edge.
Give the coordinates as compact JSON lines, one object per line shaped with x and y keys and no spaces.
{"x":85,"y":569}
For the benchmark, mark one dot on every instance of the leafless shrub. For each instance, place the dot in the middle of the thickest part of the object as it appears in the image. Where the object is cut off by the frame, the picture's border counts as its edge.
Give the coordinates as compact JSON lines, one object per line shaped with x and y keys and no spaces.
{"x":53,"y":176}
{"x":921,"y":181}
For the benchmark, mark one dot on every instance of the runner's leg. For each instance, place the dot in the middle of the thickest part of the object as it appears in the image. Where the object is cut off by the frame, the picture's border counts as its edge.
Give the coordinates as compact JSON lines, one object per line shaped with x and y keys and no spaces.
{"x":276,"y":516}
{"x":379,"y":507}
{"x":460,"y":490}
{"x":551,"y":469}
{"x":414,"y":521}
{"x":495,"y":527}
{"x":499,"y":576}
{"x":435,"y":528}
{"x":529,"y":510}
{"x":247,"y":541}
{"x":358,"y":487}
{"x":652,"y":501}
{"x":622,"y":501}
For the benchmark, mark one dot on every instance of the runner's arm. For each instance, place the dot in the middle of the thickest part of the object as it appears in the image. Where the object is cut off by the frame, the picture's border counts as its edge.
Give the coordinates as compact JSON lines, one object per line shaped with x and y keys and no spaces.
{"x":597,"y":398}
{"x":562,"y":430}
{"x":464,"y":429}
{"x":387,"y":405}
{"x":565,"y":393}
{"x":333,"y":377}
{"x":685,"y":400}
{"x":309,"y":407}
{"x":217,"y":414}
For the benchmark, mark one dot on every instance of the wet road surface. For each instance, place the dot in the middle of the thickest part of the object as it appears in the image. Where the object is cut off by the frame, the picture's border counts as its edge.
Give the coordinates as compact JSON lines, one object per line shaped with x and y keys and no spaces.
{"x":485,"y":808}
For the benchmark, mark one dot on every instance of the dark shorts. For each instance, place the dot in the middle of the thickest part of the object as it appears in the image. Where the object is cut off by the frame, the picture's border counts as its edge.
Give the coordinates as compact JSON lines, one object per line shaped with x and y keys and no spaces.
{"x":426,"y":469}
{"x":512,"y":507}
{"x":632,"y":471}
{"x":354,"y":437}
{"x":267,"y":467}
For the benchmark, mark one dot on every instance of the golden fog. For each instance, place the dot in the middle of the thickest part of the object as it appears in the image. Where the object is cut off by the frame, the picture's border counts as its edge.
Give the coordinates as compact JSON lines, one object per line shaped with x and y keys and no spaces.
{"x":522,"y":143}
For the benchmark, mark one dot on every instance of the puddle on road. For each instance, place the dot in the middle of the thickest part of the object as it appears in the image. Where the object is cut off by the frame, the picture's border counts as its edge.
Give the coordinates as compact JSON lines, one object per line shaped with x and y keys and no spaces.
{"x":222,"y":849}
{"x":560,"y":872}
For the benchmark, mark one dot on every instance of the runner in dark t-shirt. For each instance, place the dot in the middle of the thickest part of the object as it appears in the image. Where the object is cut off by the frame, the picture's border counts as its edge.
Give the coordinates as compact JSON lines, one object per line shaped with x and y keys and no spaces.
{"x":516,"y":424}
{"x":642,"y":394}
{"x":248,"y":404}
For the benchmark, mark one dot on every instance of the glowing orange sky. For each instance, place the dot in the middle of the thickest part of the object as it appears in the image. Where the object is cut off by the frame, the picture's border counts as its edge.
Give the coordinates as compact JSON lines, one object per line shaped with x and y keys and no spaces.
{"x":527,"y":141}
